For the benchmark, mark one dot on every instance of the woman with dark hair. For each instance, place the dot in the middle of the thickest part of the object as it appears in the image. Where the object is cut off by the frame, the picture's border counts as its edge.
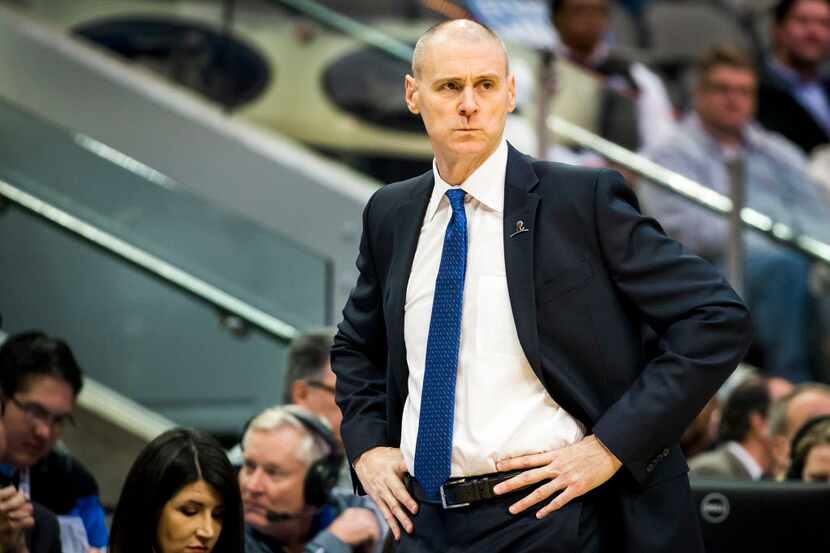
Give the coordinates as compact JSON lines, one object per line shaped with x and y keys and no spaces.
{"x":181,"y":496}
{"x":810,"y":451}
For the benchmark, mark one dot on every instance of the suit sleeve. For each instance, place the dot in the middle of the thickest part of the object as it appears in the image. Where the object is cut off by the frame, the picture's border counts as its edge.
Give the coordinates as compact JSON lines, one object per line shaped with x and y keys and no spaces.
{"x":702,"y":326}
{"x":359,"y":355}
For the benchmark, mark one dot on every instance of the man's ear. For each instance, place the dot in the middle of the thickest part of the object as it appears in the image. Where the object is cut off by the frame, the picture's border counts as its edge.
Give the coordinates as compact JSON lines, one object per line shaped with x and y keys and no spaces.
{"x":757,"y":423}
{"x":299,"y":392}
{"x":410,"y":93}
{"x":511,"y":91}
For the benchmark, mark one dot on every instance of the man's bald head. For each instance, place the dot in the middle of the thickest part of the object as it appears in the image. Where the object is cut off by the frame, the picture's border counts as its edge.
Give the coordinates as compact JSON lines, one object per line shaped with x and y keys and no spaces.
{"x":455,"y":30}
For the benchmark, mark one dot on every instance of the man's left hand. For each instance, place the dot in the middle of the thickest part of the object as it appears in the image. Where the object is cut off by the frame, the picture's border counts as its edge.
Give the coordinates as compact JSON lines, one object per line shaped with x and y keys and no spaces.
{"x":574,"y":470}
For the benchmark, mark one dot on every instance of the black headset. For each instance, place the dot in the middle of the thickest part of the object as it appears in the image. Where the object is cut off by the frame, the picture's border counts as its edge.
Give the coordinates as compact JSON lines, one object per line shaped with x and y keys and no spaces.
{"x":322,"y":474}
{"x":799,"y":459}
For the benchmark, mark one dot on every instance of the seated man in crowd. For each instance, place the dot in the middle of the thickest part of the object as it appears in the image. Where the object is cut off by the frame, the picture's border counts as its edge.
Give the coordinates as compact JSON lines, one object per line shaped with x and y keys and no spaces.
{"x":291,"y":463}
{"x":25,"y":527}
{"x":789,"y":414}
{"x":719,"y":146}
{"x":746,"y":449}
{"x":811,"y":452}
{"x":309,"y":383}
{"x":39,"y":382}
{"x":794,"y":97}
{"x":635,"y":110}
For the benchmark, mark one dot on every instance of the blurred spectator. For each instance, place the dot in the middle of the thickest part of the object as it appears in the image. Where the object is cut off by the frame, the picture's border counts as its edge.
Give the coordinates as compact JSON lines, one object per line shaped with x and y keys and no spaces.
{"x":635,"y":110}
{"x":794,"y":97}
{"x":779,"y":387}
{"x":287,"y":482}
{"x":746,"y":451}
{"x":40,"y":381}
{"x":181,"y":495}
{"x":25,"y":527}
{"x":309,"y":382}
{"x":719,"y":146}
{"x":811,"y":452}
{"x":789,"y":413}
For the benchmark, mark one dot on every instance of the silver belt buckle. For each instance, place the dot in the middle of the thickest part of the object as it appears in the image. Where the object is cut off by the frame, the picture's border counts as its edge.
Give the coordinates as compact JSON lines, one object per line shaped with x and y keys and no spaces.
{"x":444,"y":500}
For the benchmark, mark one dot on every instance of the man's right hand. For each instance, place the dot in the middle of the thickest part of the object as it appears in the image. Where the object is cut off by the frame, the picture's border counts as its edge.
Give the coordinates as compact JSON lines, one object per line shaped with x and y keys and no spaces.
{"x":356,"y":527}
{"x":381,"y":471}
{"x":16,"y":515}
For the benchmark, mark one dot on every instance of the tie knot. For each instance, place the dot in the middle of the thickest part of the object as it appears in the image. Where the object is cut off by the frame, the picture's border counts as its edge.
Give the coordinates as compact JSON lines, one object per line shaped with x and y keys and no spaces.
{"x":456,"y":197}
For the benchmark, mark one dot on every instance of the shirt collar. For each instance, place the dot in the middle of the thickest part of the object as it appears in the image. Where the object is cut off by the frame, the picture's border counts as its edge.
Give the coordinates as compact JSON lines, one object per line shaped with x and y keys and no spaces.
{"x":791,"y":77}
{"x":750,"y":464}
{"x":486,"y":184}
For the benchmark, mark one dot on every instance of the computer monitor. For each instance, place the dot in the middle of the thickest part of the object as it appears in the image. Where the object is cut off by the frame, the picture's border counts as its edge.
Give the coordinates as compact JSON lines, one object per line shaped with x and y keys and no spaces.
{"x":761,"y":517}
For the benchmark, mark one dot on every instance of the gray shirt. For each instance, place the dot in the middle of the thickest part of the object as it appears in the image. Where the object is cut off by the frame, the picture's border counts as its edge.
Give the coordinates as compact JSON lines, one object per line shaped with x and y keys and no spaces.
{"x":776,"y":184}
{"x":322,"y":541}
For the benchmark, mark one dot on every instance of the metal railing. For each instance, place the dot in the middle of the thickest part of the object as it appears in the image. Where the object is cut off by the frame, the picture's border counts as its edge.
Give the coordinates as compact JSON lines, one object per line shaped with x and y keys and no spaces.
{"x":150,"y":263}
{"x":692,"y":191}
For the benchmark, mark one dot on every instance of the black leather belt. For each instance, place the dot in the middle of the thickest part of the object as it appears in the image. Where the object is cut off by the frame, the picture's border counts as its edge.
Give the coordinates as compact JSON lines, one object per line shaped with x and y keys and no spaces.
{"x":461,"y":492}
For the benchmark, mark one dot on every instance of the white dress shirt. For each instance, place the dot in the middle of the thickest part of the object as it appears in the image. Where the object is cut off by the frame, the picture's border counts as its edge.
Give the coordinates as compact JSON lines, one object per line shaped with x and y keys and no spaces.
{"x":750,"y":464}
{"x":501,"y":408}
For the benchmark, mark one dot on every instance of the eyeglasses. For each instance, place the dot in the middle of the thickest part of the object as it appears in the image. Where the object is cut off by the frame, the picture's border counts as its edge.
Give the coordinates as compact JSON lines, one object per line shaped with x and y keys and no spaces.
{"x":36,"y":412}
{"x":721,"y":88}
{"x":321,"y":385}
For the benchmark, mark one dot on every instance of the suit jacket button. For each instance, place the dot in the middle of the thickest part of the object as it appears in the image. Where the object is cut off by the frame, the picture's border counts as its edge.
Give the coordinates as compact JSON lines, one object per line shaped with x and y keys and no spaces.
{"x":650,"y":467}
{"x":665,"y":453}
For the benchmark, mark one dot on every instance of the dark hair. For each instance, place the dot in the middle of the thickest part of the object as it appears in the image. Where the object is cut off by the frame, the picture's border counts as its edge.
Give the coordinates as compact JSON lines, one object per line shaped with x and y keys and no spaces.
{"x":815,"y":431}
{"x":748,"y":397}
{"x":307,"y":356}
{"x":173,"y":460}
{"x":727,"y":55}
{"x":783,"y":8}
{"x":555,"y":6}
{"x":31,"y":354}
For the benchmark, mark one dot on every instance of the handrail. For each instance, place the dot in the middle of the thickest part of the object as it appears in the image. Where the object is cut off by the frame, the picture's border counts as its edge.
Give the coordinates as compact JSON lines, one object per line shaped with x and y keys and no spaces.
{"x":665,"y":178}
{"x":150,"y":263}
{"x":689,"y":189}
{"x":122,"y":411}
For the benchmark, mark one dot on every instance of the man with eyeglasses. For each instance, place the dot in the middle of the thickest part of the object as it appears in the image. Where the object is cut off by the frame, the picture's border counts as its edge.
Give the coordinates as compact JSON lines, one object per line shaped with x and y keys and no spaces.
{"x":39,"y":383}
{"x":720,"y":146}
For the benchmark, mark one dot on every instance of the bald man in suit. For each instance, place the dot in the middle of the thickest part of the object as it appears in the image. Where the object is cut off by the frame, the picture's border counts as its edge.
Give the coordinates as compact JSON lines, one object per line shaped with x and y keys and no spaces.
{"x":491,"y":369}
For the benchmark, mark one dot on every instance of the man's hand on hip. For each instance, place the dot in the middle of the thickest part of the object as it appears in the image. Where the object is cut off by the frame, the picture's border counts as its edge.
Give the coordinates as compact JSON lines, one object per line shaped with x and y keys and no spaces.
{"x":381,"y":471}
{"x":574,"y":470}
{"x":356,"y":527}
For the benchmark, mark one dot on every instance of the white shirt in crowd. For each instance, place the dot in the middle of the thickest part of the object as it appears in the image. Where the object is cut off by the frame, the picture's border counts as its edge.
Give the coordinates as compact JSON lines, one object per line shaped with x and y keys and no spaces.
{"x":750,"y":464}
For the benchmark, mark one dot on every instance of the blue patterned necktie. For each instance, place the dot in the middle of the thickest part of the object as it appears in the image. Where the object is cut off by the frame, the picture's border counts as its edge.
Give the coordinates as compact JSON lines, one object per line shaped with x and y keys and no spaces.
{"x":433,"y":449}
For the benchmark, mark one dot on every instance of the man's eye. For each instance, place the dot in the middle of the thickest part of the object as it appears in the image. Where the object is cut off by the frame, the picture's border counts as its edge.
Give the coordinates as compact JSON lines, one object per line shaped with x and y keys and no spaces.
{"x":449,"y":86}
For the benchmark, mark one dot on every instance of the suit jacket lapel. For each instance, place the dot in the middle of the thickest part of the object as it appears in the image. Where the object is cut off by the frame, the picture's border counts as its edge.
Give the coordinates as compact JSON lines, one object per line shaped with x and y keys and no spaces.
{"x":520,"y":206}
{"x":408,"y":219}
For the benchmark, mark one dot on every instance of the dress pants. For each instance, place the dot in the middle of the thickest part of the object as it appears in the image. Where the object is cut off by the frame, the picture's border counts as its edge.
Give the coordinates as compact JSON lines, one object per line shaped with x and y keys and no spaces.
{"x":488,"y":527}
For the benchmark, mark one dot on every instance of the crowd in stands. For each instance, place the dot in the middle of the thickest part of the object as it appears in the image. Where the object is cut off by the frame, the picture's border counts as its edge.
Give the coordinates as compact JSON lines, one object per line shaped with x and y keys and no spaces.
{"x":290,"y":489}
{"x":756,"y":130}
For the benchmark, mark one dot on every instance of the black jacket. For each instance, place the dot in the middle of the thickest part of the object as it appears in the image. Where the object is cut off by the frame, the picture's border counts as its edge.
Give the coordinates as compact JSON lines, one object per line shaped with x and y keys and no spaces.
{"x":44,"y":536}
{"x":779,"y":111}
{"x":590,"y":275}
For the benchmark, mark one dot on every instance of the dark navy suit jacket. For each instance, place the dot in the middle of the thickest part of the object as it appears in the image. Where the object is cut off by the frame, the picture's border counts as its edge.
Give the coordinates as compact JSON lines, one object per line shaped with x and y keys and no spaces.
{"x":590,"y":276}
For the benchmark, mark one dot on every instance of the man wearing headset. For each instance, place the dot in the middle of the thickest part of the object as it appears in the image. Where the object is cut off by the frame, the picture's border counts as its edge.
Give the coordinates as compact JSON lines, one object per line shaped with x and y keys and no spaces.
{"x":291,"y":464}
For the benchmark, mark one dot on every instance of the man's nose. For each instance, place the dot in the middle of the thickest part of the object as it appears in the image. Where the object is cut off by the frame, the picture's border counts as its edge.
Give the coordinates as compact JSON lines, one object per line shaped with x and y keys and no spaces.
{"x":469,"y":102}
{"x":252,"y":483}
{"x":42,"y":430}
